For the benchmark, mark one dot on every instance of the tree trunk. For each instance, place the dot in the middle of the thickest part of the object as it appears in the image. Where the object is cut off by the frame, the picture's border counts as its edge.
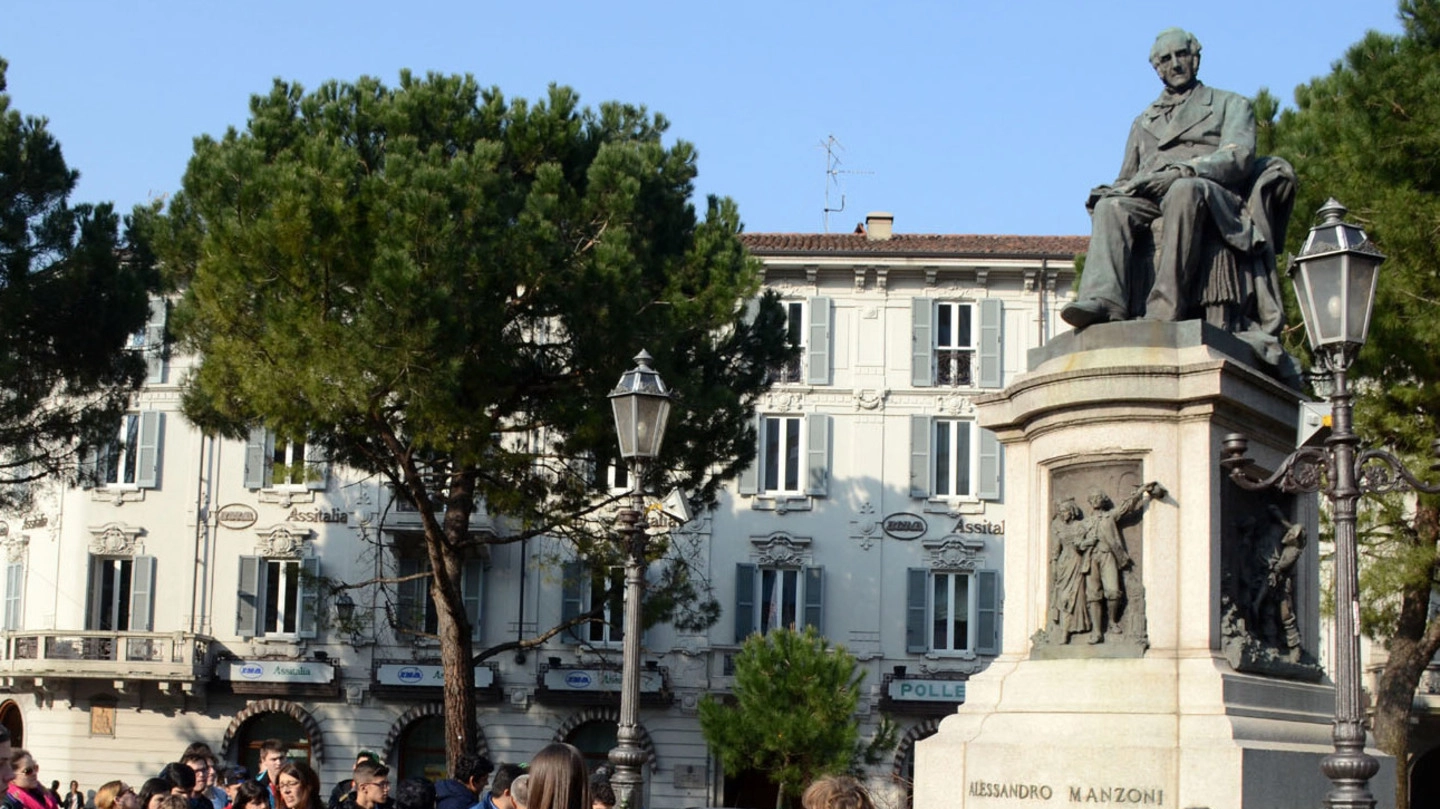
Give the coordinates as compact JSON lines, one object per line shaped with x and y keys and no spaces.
{"x":1411,"y":648}
{"x":447,"y":545}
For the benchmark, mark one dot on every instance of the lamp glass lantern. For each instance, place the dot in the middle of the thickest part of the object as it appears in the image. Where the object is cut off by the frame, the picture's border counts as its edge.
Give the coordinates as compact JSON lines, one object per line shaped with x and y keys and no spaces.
{"x":642,"y":407}
{"x":1334,"y":277}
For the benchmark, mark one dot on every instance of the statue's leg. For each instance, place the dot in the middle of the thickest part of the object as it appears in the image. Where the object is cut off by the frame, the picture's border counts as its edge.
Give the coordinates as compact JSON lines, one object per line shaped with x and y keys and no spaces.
{"x":1184,"y":212}
{"x":1104,"y":294}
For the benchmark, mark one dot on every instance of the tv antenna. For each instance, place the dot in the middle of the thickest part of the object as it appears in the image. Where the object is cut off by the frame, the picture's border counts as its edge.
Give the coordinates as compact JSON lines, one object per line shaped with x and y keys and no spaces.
{"x":833,"y":147}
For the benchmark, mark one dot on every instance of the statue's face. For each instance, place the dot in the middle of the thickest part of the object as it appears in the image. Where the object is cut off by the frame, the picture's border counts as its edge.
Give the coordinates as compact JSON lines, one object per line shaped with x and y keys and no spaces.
{"x":1175,"y":63}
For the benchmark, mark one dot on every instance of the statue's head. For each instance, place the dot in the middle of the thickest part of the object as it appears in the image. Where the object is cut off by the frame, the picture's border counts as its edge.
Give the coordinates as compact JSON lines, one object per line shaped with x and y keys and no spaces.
{"x":1068,"y":510}
{"x":1176,"y":57}
{"x":1099,"y":499}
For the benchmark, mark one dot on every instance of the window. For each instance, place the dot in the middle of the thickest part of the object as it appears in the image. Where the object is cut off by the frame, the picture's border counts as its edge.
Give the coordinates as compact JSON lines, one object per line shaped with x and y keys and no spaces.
{"x":951,"y":612}
{"x":132,"y":460}
{"x":953,"y":458}
{"x":771,"y":597}
{"x":807,"y":324}
{"x":415,"y":606}
{"x":794,"y":457}
{"x":121,"y":593}
{"x":272,"y":462}
{"x":14,"y":594}
{"x":150,"y":341}
{"x":956,"y":344}
{"x":277,"y":597}
{"x":586,"y":589}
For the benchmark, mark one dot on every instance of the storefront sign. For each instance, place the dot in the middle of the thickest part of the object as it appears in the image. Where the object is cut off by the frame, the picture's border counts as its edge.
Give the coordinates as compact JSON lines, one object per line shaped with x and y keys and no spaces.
{"x":411,"y":674}
{"x":318,"y":515}
{"x":599,"y":680}
{"x":985,"y":527}
{"x":276,"y":671}
{"x":928,"y":690}
{"x":904,"y":525}
{"x":236,"y":516}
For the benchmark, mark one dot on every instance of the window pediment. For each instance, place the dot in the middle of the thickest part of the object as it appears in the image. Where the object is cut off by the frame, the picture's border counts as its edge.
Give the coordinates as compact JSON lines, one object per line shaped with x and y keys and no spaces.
{"x":116,"y":539}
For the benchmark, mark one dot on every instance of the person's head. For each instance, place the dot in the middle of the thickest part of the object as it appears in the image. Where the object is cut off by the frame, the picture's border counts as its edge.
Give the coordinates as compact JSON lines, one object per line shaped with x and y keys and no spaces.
{"x":152,"y":791}
{"x":500,"y":782}
{"x":235,"y":775}
{"x":602,"y":795}
{"x":372,"y":783}
{"x":181,"y":778}
{"x":173,"y":801}
{"x":250,"y":795}
{"x":113,"y":795}
{"x":272,"y":755}
{"x":520,"y":791}
{"x":473,"y":771}
{"x":366,"y":755}
{"x":55,"y":785}
{"x":558,"y":779}
{"x":414,"y":793}
{"x":202,"y":763}
{"x":836,"y":792}
{"x":74,"y":786}
{"x":298,"y":786}
{"x":1176,"y":58}
{"x":27,"y":772}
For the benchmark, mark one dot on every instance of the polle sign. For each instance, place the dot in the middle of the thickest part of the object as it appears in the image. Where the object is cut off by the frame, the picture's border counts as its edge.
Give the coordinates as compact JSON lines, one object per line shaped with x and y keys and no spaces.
{"x":904,"y":525}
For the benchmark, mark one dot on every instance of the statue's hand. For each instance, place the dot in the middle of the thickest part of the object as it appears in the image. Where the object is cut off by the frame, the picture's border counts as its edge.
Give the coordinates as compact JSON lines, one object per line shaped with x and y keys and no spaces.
{"x":1154,"y":184}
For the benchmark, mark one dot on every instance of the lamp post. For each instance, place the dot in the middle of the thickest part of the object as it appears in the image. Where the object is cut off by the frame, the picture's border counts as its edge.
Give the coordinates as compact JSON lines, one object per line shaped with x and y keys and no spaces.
{"x":642,"y":406}
{"x":1334,"y":278}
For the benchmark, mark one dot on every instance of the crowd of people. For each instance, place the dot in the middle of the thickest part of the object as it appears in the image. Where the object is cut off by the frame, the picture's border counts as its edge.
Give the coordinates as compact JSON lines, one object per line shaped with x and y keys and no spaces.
{"x":556,"y":778}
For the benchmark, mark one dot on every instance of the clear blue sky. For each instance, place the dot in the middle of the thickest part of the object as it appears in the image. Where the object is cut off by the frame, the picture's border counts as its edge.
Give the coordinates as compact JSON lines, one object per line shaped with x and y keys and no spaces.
{"x":958,"y":116}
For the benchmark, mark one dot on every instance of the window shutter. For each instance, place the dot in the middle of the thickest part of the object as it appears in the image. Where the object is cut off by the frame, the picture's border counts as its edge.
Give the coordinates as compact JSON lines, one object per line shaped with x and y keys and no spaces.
{"x":920,"y":456}
{"x":89,"y":468}
{"x":987,"y":624}
{"x":817,"y":370}
{"x":750,"y":475}
{"x":744,"y":601}
{"x":142,"y":594}
{"x":410,"y":596}
{"x":247,"y":599}
{"x":14,"y":589}
{"x":991,"y":455}
{"x":571,"y":591}
{"x":155,"y":343}
{"x":317,"y":467}
{"x":309,"y":597}
{"x":817,"y":452}
{"x":147,"y":458}
{"x":472,"y":581}
{"x":257,"y":459}
{"x":922,"y":349}
{"x":815,"y":598}
{"x":992,"y":331}
{"x":917,"y":589}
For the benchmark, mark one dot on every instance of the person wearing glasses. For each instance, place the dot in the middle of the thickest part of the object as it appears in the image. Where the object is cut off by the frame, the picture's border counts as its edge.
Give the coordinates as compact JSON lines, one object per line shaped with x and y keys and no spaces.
{"x":372,"y":787}
{"x":26,"y":791}
{"x":298,"y":787}
{"x":116,"y":795}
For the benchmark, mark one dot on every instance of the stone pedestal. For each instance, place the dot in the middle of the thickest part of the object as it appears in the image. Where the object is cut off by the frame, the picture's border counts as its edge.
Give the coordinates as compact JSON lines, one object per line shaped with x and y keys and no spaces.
{"x":1178,"y":702}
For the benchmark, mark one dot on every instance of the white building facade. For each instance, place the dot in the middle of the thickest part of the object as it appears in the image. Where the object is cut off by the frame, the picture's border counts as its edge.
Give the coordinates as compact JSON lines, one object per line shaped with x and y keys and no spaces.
{"x":184,"y":598}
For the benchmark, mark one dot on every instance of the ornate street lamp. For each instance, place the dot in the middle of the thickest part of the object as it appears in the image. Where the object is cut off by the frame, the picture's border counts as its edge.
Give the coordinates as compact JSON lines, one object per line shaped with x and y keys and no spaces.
{"x":642,"y":406}
{"x":1334,"y":279}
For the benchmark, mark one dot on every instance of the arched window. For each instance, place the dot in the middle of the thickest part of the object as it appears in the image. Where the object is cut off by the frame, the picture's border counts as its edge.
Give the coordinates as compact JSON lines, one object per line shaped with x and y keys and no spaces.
{"x":595,"y":739}
{"x":421,"y":751}
{"x":271,"y":725}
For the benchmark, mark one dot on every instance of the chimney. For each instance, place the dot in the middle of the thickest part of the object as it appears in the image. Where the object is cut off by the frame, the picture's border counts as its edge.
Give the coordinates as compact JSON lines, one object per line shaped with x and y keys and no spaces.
{"x":879,"y":226}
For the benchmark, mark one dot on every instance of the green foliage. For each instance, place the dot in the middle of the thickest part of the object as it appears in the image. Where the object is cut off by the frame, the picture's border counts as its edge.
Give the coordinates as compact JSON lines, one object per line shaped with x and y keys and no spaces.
{"x":793,"y":712}
{"x":72,"y":293}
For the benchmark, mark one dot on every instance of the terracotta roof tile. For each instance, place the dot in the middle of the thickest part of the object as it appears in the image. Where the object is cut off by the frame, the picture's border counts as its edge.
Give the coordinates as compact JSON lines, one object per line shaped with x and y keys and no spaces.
{"x":915,"y":244}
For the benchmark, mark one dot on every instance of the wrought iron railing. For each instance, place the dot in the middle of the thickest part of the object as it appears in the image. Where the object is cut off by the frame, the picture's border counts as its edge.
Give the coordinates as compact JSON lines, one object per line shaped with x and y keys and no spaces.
{"x":954,"y":367}
{"x":105,"y":654}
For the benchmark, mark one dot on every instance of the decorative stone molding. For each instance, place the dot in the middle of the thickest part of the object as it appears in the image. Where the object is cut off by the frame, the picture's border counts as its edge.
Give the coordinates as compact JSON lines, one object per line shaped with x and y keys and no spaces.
{"x":562,"y":733}
{"x":282,"y":541}
{"x":865,"y":528}
{"x":953,"y":552}
{"x":812,"y":273}
{"x":312,"y":728}
{"x":15,"y":548}
{"x":782,"y":550}
{"x":870,"y":399}
{"x":784,"y":402}
{"x":286,"y":497}
{"x":116,"y":496}
{"x":417,"y":712}
{"x":906,"y":748}
{"x":882,"y":278}
{"x":860,"y":279}
{"x":116,"y":539}
{"x":1030,"y":276}
{"x":931,"y":274}
{"x":951,"y":404}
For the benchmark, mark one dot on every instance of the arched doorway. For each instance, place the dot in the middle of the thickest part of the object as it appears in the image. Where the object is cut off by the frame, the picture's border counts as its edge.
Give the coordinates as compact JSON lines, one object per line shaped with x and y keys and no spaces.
{"x":903,"y":770}
{"x":1425,"y":779}
{"x":13,"y":721}
{"x":420,"y":750}
{"x":270,"y":725}
{"x":595,"y":739}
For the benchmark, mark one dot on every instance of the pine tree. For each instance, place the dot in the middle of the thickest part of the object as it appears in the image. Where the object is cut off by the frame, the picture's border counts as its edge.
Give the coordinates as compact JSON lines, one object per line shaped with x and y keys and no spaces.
{"x":72,"y":294}
{"x":440,"y":286}
{"x":792,"y":716}
{"x":1368,"y":134}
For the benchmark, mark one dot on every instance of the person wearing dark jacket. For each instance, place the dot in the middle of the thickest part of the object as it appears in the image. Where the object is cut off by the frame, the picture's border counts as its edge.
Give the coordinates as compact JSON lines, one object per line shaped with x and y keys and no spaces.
{"x":463,"y":791}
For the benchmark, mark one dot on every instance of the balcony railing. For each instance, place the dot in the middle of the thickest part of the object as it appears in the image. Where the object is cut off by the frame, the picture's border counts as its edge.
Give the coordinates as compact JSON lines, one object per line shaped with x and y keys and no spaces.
{"x":792,"y":372}
{"x":954,"y":367}
{"x":174,"y":656}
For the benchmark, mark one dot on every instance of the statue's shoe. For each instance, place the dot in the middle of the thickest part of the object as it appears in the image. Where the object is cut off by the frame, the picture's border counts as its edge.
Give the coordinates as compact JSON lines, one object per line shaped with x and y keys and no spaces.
{"x":1087,"y":313}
